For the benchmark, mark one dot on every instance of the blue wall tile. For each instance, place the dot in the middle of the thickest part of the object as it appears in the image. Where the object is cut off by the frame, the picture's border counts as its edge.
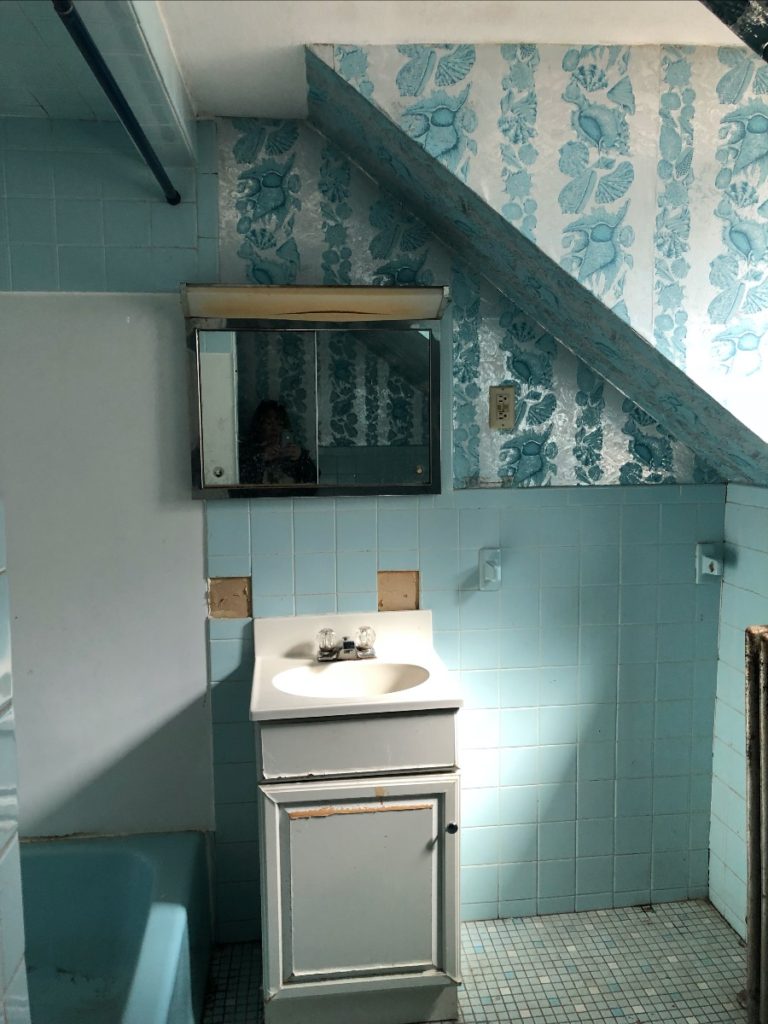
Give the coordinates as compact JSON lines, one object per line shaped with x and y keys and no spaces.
{"x":479,"y":689}
{"x":518,"y":843}
{"x":518,"y":804}
{"x":479,"y":609}
{"x":556,"y":840}
{"x":227,"y":528}
{"x":271,"y":530}
{"x":75,"y":184}
{"x":639,"y":525}
{"x":632,"y":872}
{"x":316,"y":604}
{"x":556,"y":878}
{"x":596,"y":798}
{"x":571,"y":721}
{"x":398,"y":529}
{"x":357,"y":602}
{"x":34,"y":268}
{"x":399,"y":560}
{"x":79,"y":222}
{"x":438,"y":528}
{"x":272,"y":574}
{"x":594,"y":875}
{"x":520,"y":727}
{"x":315,"y":573}
{"x":356,"y":530}
{"x":595,"y":837}
{"x":81,"y":268}
{"x":639,"y":564}
{"x":479,"y":845}
{"x":125,"y":223}
{"x":480,"y":884}
{"x":173,"y":226}
{"x":518,"y":881}
{"x":480,"y":807}
{"x":356,"y":571}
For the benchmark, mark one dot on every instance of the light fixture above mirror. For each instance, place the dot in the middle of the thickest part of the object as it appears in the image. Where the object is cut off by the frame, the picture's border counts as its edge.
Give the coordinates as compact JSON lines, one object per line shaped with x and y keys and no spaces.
{"x":327,"y":304}
{"x":309,"y":391}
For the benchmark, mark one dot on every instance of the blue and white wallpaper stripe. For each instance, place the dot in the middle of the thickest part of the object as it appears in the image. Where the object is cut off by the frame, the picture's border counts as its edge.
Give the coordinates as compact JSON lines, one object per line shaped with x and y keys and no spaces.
{"x":641,"y":170}
{"x":295,"y":210}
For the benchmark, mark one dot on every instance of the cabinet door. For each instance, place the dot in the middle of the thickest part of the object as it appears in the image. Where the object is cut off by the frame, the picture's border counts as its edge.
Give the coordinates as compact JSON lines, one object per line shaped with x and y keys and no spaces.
{"x":360,"y":880}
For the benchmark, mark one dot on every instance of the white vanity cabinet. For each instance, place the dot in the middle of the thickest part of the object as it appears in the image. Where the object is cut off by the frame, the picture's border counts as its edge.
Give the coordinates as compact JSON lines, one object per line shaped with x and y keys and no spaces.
{"x":359,"y":868}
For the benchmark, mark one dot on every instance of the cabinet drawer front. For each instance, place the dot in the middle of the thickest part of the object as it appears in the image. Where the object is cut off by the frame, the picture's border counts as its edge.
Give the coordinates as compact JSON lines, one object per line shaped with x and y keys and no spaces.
{"x":360,"y":880}
{"x":357,"y":745}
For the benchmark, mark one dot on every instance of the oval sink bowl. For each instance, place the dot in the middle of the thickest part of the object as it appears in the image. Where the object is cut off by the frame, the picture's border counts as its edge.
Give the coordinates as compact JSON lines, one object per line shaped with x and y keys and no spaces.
{"x":350,"y":679}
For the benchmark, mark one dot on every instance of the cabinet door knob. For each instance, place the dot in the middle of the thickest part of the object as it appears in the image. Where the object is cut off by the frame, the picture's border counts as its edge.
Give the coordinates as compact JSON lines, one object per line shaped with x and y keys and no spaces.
{"x":452,"y":828}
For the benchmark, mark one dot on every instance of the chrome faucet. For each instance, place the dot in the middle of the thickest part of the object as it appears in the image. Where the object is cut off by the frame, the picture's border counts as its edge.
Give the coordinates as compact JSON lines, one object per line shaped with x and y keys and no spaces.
{"x":330,"y":648}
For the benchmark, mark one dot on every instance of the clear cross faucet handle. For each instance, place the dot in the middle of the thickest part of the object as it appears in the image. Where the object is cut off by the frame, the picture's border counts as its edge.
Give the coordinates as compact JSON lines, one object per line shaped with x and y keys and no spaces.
{"x":326,"y":640}
{"x":366,"y":638}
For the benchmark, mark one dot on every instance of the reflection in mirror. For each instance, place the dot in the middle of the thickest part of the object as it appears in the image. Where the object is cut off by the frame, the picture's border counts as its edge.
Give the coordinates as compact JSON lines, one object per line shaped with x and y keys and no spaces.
{"x":276,"y":407}
{"x":353,"y":410}
{"x":217,"y":370}
{"x":373,"y":407}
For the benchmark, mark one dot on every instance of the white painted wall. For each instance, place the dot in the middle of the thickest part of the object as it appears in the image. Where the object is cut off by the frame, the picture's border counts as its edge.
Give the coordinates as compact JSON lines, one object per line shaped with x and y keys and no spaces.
{"x":105,"y":555}
{"x":245,"y":57}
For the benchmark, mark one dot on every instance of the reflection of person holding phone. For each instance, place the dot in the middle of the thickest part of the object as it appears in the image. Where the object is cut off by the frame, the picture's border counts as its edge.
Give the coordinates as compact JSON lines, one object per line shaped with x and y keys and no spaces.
{"x":269,"y":454}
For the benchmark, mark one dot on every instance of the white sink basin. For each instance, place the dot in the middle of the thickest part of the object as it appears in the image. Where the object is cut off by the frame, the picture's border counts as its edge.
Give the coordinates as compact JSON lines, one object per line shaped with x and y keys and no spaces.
{"x":359,"y":679}
{"x":406,"y":674}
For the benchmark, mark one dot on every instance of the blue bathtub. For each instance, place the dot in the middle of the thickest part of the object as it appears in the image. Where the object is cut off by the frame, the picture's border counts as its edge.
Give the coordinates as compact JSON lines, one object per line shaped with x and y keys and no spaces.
{"x":118,"y":930}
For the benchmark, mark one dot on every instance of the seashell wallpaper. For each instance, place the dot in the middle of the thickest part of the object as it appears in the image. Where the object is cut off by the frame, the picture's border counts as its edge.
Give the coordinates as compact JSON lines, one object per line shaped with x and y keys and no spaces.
{"x":293,"y":209}
{"x":641,"y":170}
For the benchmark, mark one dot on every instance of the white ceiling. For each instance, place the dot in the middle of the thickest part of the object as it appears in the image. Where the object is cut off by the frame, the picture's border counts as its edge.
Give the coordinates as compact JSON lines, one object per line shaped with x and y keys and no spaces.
{"x":244,"y":57}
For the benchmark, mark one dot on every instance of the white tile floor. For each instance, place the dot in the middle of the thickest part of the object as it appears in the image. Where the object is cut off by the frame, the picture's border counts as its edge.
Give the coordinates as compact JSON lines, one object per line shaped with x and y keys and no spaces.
{"x":675,"y":962}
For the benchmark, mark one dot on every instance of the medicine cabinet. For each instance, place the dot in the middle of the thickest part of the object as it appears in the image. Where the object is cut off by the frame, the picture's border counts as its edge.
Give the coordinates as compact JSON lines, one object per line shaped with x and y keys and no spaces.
{"x":310,"y":391}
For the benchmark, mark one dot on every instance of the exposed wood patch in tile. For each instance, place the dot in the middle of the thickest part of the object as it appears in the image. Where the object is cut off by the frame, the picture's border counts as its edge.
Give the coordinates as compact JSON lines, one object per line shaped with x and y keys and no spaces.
{"x":229,"y":597}
{"x":398,"y":591}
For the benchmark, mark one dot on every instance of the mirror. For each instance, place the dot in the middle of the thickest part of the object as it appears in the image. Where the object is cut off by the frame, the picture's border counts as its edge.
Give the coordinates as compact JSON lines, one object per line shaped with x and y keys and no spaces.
{"x":335,"y":409}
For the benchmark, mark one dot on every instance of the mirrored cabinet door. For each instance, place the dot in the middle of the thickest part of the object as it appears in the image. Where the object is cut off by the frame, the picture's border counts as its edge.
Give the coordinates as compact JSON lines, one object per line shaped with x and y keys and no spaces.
{"x":339,"y":410}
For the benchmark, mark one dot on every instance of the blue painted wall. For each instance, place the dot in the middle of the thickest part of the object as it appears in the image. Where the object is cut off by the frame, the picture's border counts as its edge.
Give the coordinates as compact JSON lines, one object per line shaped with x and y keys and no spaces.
{"x":13,"y":977}
{"x":589,"y":679}
{"x":79,"y":211}
{"x":745,"y":603}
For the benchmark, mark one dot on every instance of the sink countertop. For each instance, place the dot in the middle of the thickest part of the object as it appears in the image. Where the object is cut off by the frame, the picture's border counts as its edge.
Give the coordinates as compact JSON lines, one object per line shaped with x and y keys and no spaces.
{"x":403,"y":638}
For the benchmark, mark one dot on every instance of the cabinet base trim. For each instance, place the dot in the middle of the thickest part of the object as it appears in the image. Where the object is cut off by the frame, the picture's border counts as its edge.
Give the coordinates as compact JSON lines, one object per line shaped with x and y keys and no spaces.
{"x":385,"y":1006}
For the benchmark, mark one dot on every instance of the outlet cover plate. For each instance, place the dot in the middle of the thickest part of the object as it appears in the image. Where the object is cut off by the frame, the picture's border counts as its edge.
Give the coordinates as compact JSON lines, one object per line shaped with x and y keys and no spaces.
{"x":501,"y":407}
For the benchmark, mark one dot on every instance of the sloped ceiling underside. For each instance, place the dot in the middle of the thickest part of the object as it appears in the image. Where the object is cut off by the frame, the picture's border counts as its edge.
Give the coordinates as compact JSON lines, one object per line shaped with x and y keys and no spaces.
{"x":520,"y":270}
{"x":747,"y":18}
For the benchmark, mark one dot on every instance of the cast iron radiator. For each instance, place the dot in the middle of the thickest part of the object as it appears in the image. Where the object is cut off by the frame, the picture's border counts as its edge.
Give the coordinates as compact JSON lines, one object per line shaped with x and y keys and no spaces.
{"x":756,"y":710}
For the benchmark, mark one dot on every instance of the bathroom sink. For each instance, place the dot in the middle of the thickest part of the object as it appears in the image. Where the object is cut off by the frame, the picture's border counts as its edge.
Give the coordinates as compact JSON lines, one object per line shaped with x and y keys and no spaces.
{"x":405,"y":675}
{"x":350,"y":679}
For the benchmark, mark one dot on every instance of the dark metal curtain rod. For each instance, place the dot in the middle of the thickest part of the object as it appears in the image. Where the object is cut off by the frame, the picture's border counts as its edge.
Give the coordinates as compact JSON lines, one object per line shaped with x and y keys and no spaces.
{"x":85,"y":44}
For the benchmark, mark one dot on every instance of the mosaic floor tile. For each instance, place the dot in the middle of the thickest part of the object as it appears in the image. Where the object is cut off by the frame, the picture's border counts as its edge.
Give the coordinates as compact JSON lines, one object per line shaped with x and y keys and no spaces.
{"x":675,"y":962}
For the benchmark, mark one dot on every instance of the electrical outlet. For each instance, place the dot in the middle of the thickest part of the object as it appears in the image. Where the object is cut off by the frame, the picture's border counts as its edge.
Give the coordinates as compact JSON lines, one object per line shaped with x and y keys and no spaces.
{"x":501,"y":405}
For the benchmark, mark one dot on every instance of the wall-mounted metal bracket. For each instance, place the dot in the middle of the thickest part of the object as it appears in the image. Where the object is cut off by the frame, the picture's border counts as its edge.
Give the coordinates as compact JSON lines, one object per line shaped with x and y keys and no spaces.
{"x":709,"y":561}
{"x":489,"y":569}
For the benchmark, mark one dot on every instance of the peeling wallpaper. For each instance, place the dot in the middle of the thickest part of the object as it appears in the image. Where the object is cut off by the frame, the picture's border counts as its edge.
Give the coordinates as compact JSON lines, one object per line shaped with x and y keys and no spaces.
{"x":640,"y":170}
{"x":293,"y":209}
